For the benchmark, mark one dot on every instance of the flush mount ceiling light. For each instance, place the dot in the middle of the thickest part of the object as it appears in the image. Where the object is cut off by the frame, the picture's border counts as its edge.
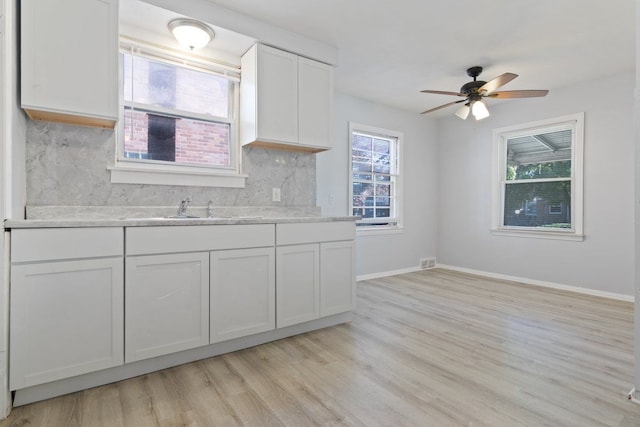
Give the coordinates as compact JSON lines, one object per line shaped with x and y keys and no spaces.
{"x":190,"y":33}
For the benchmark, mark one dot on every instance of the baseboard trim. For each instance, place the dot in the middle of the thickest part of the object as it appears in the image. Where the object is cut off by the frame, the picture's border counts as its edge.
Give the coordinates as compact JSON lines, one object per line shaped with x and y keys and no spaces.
{"x":534,"y":282}
{"x":387,"y":273}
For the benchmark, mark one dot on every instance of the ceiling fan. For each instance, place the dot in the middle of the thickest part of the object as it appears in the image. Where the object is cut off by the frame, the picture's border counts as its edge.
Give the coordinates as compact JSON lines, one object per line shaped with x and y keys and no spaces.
{"x":474,"y":92}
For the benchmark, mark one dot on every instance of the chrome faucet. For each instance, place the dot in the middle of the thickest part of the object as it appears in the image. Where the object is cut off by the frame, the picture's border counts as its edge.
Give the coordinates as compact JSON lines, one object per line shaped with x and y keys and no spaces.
{"x":210,"y":209}
{"x":182,"y":209}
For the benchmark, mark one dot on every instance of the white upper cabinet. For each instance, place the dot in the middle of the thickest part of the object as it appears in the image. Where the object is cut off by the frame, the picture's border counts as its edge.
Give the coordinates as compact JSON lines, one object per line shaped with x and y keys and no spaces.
{"x":69,"y":61}
{"x":269,"y":96}
{"x":315,"y":103}
{"x":286,"y":101}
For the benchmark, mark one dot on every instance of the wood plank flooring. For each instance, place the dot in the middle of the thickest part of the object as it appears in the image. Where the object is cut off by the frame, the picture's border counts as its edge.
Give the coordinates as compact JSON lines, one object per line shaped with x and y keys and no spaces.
{"x":431,"y":348}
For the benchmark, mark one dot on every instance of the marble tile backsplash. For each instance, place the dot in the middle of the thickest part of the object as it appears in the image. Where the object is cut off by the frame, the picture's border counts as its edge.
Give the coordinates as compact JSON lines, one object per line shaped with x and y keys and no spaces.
{"x":67,"y":166}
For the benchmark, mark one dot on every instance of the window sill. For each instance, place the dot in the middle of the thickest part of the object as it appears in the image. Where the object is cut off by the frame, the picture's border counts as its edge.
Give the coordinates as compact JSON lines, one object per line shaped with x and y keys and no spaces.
{"x":538,"y":234}
{"x":376,"y":231}
{"x":123,"y":173}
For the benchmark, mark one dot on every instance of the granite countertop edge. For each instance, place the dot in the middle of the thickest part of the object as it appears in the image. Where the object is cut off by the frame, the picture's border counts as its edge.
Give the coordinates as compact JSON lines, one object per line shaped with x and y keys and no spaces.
{"x":150,"y":222}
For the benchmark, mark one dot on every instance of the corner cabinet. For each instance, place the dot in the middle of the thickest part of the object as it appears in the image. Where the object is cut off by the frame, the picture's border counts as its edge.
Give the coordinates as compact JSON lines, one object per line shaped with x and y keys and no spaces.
{"x":286,"y":101}
{"x":69,"y":61}
{"x":66,"y":303}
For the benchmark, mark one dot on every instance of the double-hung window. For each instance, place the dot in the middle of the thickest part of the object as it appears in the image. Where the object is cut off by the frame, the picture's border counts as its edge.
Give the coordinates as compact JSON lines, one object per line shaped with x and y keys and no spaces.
{"x":375,"y":187}
{"x":538,"y":179}
{"x":178,"y":121}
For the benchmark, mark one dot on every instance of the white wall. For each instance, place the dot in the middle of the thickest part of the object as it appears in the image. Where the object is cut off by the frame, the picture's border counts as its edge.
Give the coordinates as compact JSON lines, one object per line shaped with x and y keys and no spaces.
{"x":604,"y":261}
{"x":391,"y":252}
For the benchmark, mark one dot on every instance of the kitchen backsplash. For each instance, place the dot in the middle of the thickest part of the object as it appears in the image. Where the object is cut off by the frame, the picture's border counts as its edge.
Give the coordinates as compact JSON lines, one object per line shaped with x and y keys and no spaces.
{"x":67,"y":166}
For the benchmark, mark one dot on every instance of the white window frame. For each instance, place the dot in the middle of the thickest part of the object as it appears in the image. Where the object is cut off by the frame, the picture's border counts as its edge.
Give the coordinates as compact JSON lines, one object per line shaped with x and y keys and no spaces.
{"x":134,"y":171}
{"x":575,"y":122}
{"x":397,"y":219}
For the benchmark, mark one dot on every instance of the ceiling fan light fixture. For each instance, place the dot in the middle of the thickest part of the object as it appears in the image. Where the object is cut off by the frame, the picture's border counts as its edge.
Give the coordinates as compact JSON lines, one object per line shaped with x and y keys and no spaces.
{"x":190,"y":33}
{"x":479,"y":110}
{"x":463,"y":112}
{"x":474,"y":92}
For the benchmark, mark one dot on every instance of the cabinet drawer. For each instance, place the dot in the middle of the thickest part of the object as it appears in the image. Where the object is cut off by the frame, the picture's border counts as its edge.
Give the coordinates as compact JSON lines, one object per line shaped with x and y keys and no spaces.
{"x":293,"y":234}
{"x":46,"y":244}
{"x":158,"y":240}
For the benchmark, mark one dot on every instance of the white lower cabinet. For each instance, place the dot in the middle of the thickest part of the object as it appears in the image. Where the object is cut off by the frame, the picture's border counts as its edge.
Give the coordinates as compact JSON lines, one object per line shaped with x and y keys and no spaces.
{"x":242,"y":300}
{"x":298,"y":278}
{"x":66,"y":314}
{"x":314,"y":279}
{"x":79,"y":305}
{"x":167,"y":304}
{"x":337,"y":277}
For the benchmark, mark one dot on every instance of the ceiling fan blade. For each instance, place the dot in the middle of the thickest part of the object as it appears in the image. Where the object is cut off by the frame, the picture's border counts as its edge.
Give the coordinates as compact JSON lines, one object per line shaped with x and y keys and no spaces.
{"x":494,"y":84}
{"x":443,"y":106}
{"x":518,"y":94}
{"x":442,"y":92}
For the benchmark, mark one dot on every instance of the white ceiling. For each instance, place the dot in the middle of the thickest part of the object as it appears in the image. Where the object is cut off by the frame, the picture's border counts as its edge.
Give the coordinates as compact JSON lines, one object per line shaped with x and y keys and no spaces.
{"x":389,"y":51}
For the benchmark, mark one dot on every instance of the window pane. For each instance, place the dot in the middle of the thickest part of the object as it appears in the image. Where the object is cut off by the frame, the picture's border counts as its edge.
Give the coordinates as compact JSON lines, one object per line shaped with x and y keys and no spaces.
{"x":165,"y":95}
{"x":382,"y":146}
{"x":383,"y":213}
{"x":539,"y":155}
{"x":361,"y":167}
{"x":383,"y":190}
{"x":560,"y":169}
{"x":362,"y":194}
{"x":381,"y":163}
{"x":361,"y":155}
{"x":538,"y":204}
{"x":363,"y":177}
{"x":149,"y":136}
{"x":361,"y":142}
{"x":169,"y":86}
{"x":382,"y":201}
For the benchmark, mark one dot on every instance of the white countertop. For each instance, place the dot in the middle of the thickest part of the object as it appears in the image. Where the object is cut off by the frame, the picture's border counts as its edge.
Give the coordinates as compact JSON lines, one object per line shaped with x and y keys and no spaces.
{"x":162,"y":221}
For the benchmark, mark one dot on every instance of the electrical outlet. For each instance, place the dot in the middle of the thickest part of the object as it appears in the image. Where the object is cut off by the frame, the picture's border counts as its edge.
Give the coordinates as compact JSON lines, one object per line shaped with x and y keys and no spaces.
{"x":276,"y":194}
{"x":332,"y":199}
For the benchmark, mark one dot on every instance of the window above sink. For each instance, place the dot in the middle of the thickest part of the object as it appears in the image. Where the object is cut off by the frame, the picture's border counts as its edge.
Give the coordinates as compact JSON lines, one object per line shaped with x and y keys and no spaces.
{"x":178,"y":108}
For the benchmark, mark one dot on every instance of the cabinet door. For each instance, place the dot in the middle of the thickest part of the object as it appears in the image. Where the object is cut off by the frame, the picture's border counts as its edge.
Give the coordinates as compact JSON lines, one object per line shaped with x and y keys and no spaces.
{"x":298,"y":284}
{"x":277,"y":95}
{"x":66,"y":319}
{"x":315,"y":103}
{"x":243,"y":293}
{"x":167,"y":304}
{"x":69,"y":51}
{"x":337,"y":277}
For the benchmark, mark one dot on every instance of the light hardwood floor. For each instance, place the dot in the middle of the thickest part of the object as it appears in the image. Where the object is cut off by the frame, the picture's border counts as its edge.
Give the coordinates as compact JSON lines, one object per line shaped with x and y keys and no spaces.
{"x":431,"y":348}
